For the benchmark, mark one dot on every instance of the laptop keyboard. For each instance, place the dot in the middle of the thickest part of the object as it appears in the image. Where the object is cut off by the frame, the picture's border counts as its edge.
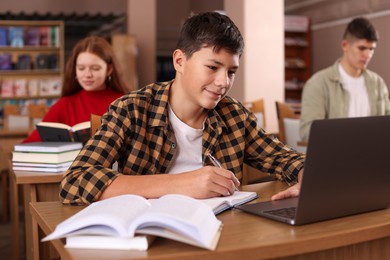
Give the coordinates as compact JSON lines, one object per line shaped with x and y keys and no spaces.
{"x":283,"y":212}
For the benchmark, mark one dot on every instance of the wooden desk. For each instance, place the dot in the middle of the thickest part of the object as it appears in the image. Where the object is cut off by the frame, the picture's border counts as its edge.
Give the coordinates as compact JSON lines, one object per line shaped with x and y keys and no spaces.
{"x":8,"y":139}
{"x":245,"y":236}
{"x":36,"y":186}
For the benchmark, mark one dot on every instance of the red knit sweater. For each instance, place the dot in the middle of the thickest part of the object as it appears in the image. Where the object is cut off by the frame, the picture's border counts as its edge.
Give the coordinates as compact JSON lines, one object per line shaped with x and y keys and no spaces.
{"x":77,"y":108}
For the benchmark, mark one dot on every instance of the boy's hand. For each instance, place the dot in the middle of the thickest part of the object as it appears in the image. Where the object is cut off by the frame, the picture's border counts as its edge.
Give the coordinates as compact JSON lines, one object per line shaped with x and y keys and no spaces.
{"x":293,"y":191}
{"x":207,"y":182}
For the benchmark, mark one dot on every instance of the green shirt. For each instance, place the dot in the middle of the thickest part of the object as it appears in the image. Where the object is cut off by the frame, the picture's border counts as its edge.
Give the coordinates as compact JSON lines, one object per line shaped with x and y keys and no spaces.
{"x":324,"y":97}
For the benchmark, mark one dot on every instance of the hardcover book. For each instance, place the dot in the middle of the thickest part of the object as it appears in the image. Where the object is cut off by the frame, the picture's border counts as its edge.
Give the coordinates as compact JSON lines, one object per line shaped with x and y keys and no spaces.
{"x":41,"y":61}
{"x":44,"y":36}
{"x":33,"y":87}
{"x":24,"y":62}
{"x":44,"y":157}
{"x":54,"y":147}
{"x":7,"y":88}
{"x":16,"y":36}
{"x":50,"y":87}
{"x":41,"y":167}
{"x":20,"y":87}
{"x":32,"y":36}
{"x":127,"y":218}
{"x":5,"y":61}
{"x":58,"y":132}
{"x":3,"y":36}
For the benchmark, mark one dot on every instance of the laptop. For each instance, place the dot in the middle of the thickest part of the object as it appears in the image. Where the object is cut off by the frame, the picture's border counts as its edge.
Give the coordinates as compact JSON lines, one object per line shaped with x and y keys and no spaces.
{"x":347,"y":171}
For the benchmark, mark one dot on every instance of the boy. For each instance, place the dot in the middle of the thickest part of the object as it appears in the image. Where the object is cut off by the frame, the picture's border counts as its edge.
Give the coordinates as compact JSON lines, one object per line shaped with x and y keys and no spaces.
{"x":161,"y":134}
{"x":347,"y":88}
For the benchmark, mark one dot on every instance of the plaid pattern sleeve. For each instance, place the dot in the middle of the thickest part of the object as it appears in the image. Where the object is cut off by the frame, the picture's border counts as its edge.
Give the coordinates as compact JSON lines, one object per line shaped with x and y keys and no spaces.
{"x":135,"y":132}
{"x":232,"y":135}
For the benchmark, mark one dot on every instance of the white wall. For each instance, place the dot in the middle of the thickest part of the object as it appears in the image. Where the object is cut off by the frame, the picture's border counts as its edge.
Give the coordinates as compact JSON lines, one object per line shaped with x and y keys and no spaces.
{"x":141,"y":16}
{"x":261,"y":73}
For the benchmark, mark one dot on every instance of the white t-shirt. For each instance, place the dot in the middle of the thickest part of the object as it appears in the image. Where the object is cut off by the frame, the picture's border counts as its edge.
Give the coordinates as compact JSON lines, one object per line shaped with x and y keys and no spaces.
{"x":189,"y":145}
{"x":359,"y":105}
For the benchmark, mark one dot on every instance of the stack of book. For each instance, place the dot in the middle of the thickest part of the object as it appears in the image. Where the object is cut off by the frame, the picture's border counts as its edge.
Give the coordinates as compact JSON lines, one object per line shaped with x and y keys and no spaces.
{"x":53,"y":157}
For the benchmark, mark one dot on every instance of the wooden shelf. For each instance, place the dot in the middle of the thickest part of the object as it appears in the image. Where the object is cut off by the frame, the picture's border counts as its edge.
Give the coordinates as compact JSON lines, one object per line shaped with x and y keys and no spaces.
{"x":30,"y":97}
{"x":30,"y":49}
{"x":43,"y":78}
{"x":32,"y":72}
{"x":297,"y":51}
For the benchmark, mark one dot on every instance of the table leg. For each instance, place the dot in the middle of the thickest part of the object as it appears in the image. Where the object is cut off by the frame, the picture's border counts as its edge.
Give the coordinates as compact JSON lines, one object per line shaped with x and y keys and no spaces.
{"x":15,"y":224}
{"x":32,"y":241}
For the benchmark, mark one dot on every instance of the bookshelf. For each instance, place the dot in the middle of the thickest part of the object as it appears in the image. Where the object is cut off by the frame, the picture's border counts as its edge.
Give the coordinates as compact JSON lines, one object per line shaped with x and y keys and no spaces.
{"x":31,"y":63}
{"x":297,"y":56}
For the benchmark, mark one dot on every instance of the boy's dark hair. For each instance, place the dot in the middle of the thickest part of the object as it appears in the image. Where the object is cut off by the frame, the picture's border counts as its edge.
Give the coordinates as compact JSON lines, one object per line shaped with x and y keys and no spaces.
{"x":361,"y":28}
{"x":210,"y":29}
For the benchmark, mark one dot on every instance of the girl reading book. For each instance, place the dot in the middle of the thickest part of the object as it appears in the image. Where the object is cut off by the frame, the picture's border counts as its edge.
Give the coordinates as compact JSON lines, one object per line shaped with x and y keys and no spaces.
{"x":93,"y":79}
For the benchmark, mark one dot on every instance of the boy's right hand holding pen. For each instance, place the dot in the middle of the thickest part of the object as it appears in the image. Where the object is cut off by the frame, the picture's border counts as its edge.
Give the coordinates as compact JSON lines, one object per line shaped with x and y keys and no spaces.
{"x":216,"y":163}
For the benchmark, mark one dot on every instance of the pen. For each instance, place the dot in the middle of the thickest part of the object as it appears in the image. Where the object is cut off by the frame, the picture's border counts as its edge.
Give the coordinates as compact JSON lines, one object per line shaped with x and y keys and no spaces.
{"x":216,"y":163}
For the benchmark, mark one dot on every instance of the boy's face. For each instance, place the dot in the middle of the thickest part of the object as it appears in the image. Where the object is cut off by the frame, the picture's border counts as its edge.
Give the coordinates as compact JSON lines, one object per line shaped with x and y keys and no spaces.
{"x":358,"y":52}
{"x":206,"y":76}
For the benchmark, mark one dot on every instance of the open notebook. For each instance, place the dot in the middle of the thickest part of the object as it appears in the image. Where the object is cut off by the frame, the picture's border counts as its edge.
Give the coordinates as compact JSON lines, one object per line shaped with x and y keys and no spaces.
{"x":346,"y":172}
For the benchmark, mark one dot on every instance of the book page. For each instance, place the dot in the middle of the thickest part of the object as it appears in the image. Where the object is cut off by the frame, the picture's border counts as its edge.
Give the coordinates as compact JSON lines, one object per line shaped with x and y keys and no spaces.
{"x":182,"y":216}
{"x":106,"y":217}
{"x":106,"y":242}
{"x":54,"y":124}
{"x":82,"y":125}
{"x":219,"y":204}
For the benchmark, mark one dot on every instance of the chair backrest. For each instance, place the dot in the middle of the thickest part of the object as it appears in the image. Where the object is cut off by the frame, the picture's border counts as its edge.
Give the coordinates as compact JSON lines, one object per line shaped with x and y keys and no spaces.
{"x":257,"y":107}
{"x":293,"y":138}
{"x":36,"y":112}
{"x":95,"y":123}
{"x":285,"y":110}
{"x":13,"y":118}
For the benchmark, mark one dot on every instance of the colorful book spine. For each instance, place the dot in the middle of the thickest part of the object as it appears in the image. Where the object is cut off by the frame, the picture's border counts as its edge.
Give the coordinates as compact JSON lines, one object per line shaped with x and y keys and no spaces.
{"x":16,"y":36}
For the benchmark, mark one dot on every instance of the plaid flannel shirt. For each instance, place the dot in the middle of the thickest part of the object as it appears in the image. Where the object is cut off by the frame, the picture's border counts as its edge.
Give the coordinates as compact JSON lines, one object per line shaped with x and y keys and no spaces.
{"x":136,"y":133}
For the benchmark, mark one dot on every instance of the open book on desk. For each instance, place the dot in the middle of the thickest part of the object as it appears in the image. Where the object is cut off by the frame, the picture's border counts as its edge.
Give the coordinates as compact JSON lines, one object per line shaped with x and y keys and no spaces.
{"x":130,"y":220}
{"x":220,"y":204}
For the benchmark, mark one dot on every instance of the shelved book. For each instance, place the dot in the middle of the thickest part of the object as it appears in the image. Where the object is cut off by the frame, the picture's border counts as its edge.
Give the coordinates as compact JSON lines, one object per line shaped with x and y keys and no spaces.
{"x":58,"y":132}
{"x":128,"y":221}
{"x":52,"y":154}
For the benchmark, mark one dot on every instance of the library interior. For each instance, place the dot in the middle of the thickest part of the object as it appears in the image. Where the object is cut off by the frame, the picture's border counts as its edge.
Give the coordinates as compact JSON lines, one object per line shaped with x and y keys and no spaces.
{"x":286,"y":43}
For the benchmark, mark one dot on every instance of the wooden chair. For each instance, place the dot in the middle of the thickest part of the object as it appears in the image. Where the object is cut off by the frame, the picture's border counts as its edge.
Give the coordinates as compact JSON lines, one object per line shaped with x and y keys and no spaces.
{"x":288,"y":122}
{"x":12,"y":117}
{"x":257,"y":107}
{"x":96,"y":121}
{"x":250,"y":174}
{"x":4,"y":186}
{"x":36,"y":112}
{"x":12,"y":120}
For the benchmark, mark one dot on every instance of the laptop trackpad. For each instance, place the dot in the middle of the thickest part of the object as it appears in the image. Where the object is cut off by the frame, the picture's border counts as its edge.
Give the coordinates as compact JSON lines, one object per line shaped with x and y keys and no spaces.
{"x":282,"y":210}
